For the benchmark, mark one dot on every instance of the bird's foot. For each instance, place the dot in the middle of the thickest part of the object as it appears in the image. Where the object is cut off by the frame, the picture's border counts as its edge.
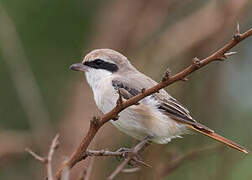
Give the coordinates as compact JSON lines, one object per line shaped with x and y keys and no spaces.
{"x":135,"y":153}
{"x":124,"y":152}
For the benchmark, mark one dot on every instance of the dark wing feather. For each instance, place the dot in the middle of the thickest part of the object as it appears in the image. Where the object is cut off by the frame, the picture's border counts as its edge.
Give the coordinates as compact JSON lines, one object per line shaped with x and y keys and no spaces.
{"x":125,"y":90}
{"x":172,"y":108}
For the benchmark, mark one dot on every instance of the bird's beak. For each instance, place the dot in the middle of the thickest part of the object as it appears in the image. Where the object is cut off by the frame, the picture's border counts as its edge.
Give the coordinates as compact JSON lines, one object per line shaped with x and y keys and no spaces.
{"x":78,"y":67}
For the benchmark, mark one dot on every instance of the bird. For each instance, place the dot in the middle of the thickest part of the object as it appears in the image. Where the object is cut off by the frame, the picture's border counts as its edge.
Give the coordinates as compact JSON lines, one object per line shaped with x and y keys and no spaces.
{"x":158,"y":116}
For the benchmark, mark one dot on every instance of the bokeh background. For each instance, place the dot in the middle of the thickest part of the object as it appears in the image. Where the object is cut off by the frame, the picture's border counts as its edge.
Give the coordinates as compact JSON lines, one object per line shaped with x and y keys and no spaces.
{"x":40,"y":96}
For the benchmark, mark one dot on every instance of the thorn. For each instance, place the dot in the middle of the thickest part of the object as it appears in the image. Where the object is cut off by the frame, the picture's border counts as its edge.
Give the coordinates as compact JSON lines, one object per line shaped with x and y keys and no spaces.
{"x":196,"y":62}
{"x":116,"y":118}
{"x":166,"y":75}
{"x":237,"y":35}
{"x":143,"y":90}
{"x":227,"y":54}
{"x":184,"y":79}
{"x":95,"y":121}
{"x":238,"y":28}
{"x":119,"y":100}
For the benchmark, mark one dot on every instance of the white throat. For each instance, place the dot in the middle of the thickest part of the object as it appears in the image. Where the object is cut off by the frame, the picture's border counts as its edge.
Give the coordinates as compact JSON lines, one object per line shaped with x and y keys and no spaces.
{"x":99,"y":80}
{"x":95,"y":77}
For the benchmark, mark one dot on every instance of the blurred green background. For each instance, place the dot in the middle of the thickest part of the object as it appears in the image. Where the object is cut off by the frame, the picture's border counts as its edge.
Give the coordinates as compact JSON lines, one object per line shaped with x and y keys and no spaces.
{"x":39,"y":96}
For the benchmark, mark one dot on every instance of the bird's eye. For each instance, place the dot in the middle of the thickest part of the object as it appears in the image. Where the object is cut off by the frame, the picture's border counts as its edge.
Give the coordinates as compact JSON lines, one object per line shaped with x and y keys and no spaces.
{"x":98,"y":61}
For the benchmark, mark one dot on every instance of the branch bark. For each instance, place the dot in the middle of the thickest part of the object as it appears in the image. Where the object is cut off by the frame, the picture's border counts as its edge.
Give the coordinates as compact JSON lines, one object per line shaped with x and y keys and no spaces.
{"x":98,"y":122}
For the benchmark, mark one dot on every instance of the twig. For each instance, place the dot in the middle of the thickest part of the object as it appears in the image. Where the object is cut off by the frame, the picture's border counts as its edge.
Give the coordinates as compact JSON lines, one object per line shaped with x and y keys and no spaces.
{"x":54,"y":146}
{"x":166,"y":75}
{"x":94,"y":127}
{"x":103,"y":153}
{"x":47,"y":160}
{"x":36,"y":156}
{"x":118,"y":153}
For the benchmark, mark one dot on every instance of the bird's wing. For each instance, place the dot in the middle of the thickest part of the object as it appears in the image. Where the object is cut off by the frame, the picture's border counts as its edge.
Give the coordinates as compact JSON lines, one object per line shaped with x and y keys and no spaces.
{"x":125,"y":89}
{"x":165,"y":103}
{"x":130,"y":87}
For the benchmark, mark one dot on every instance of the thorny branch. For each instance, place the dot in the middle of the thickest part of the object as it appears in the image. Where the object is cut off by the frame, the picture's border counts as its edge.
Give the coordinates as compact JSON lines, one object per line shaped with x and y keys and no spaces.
{"x":47,"y":160}
{"x":97,"y":123}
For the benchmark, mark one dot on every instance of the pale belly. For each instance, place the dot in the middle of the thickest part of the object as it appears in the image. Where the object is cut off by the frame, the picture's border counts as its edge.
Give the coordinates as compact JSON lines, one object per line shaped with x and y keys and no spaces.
{"x":138,"y":126}
{"x":140,"y":121}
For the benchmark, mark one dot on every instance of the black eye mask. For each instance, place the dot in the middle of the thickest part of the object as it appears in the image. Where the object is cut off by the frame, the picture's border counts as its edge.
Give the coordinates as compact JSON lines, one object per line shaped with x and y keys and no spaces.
{"x":100,"y":64}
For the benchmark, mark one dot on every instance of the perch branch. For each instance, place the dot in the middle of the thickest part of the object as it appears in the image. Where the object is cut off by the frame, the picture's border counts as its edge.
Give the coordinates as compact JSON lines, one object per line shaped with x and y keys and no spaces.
{"x":103,"y":153}
{"x":120,"y":153}
{"x":96,"y":123}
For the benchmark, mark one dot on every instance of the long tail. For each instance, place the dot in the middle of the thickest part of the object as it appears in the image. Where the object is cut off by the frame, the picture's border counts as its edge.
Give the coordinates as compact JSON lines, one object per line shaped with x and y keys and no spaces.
{"x":210,"y":133}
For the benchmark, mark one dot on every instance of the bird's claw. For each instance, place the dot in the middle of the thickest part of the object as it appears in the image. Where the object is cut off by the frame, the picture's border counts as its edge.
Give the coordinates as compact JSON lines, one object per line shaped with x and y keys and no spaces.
{"x":136,"y":159}
{"x":124,"y":151}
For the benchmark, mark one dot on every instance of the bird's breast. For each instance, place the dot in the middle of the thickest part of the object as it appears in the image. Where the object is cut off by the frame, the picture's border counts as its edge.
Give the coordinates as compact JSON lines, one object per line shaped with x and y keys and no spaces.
{"x":105,"y":96}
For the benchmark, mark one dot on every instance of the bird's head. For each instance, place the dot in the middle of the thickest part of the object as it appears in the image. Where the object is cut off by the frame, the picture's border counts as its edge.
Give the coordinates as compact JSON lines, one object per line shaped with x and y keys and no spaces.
{"x":101,"y":63}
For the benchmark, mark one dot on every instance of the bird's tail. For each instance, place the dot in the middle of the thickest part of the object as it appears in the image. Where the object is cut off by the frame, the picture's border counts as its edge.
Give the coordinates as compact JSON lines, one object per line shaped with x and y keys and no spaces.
{"x":210,"y":133}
